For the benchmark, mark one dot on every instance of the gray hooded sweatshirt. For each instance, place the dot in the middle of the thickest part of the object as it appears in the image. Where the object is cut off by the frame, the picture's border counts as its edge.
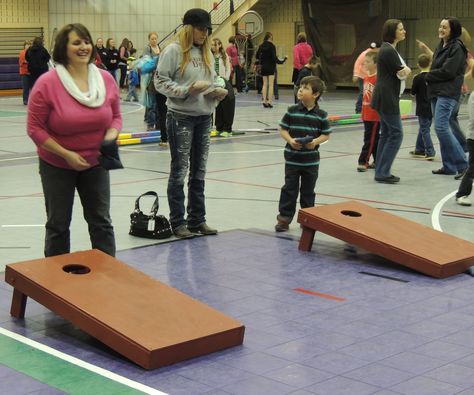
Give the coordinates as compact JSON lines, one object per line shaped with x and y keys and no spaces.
{"x":170,"y":82}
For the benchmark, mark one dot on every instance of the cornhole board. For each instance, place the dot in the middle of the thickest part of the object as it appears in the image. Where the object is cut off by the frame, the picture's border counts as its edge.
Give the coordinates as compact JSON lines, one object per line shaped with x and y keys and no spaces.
{"x":400,"y":240}
{"x":143,"y":319}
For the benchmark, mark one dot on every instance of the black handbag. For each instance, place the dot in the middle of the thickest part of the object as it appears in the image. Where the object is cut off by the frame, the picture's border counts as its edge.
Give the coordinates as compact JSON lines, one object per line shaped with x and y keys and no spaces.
{"x":151,"y":226}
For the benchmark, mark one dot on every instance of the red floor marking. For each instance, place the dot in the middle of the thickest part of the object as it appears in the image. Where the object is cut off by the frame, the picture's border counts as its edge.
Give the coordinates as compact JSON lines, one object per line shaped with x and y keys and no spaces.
{"x":326,"y":296}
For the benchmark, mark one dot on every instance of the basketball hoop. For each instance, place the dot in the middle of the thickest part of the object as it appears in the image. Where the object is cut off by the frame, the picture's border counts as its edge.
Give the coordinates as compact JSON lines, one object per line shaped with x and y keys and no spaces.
{"x":250,"y":23}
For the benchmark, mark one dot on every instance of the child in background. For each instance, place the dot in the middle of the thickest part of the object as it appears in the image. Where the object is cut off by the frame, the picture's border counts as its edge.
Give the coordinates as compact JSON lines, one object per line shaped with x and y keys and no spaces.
{"x":304,"y":127}
{"x":133,"y":79}
{"x":370,"y":117}
{"x":311,"y":68}
{"x":465,"y":188}
{"x":424,"y":145}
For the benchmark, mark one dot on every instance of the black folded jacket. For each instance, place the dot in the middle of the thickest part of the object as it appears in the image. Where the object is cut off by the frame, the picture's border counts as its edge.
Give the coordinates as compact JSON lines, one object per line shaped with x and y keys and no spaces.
{"x":109,"y":158}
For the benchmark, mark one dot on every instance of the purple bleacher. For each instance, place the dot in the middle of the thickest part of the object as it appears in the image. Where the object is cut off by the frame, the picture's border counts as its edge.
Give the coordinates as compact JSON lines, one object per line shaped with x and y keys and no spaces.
{"x":9,"y":73}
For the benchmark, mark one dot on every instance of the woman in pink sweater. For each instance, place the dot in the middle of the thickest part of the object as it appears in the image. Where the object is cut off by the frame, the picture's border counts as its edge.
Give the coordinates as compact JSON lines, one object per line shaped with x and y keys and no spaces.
{"x":73,"y":110}
{"x":302,"y":51}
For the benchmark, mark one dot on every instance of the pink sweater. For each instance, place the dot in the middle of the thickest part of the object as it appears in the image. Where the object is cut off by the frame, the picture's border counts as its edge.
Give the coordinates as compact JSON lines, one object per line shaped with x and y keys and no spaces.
{"x":301,"y":54}
{"x":52,"y":112}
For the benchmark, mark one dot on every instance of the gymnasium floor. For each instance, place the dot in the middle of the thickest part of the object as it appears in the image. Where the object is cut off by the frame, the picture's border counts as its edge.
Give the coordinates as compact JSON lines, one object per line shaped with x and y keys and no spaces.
{"x":386,"y":330}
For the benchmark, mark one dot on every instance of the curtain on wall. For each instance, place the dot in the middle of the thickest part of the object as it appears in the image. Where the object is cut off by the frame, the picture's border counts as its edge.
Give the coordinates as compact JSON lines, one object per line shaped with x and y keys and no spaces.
{"x":339,"y":30}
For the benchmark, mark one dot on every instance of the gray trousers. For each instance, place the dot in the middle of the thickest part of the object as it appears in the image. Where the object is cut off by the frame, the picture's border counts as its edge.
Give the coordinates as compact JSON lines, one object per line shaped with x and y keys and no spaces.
{"x":93,"y":187}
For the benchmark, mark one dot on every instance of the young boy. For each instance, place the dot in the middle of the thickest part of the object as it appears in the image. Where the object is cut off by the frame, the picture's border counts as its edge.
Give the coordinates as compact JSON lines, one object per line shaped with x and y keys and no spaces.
{"x":424,"y":146}
{"x":304,"y":127}
{"x":311,"y":68}
{"x":370,"y":117}
{"x":133,"y":81}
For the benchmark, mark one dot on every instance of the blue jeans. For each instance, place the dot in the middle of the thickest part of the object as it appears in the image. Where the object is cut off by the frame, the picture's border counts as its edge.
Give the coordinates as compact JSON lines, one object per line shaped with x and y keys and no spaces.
{"x":25,"y":84}
{"x":456,"y":128}
{"x":423,"y":141}
{"x":452,"y":154}
{"x":93,"y":187}
{"x":390,"y":140}
{"x":189,"y":139}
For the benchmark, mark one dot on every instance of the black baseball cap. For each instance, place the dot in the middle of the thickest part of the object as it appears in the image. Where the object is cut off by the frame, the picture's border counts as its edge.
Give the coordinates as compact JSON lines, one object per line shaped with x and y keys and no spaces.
{"x":198,"y":17}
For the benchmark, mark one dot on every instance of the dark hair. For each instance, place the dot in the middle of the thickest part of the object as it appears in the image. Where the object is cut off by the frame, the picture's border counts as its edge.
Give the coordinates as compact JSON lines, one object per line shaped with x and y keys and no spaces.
{"x":37,"y":41}
{"x":424,"y":60}
{"x":107,"y":43}
{"x":317,"y":85}
{"x":62,"y":39}
{"x":267,"y":36}
{"x":372,"y":54}
{"x":232,"y":39}
{"x":389,"y":30}
{"x":313,"y":60}
{"x":455,"y":26}
{"x":125,"y":43}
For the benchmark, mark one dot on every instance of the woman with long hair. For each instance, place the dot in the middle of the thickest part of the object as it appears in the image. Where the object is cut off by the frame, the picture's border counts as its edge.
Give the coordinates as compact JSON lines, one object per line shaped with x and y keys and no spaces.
{"x":391,"y":74}
{"x":186,"y":75}
{"x":112,"y":58}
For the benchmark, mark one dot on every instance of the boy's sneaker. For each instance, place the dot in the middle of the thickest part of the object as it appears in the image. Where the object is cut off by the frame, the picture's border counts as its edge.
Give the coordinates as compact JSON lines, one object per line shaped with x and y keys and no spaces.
{"x":463,"y":201}
{"x":283,"y":225}
{"x":225,"y":134}
{"x":181,"y":232}
{"x":361,"y":168}
{"x":203,"y":229}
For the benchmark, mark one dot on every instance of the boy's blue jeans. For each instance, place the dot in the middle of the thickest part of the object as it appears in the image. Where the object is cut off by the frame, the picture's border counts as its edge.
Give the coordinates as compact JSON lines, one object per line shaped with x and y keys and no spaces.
{"x":423,"y":141}
{"x":452,"y":154}
{"x":189,"y":140}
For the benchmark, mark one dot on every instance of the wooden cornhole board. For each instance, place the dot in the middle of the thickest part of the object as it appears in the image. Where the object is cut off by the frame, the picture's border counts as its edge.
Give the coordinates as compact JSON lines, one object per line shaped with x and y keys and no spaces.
{"x":402,"y":241}
{"x":146,"y":321}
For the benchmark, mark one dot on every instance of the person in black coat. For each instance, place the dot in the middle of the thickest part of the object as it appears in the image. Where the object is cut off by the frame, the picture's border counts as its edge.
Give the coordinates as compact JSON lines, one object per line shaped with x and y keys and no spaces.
{"x":112,"y":58}
{"x":444,"y":80}
{"x":37,"y":57}
{"x":391,"y":74}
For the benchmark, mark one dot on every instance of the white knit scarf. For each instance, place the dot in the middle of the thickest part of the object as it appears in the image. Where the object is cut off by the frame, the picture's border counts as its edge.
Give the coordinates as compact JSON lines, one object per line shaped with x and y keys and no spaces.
{"x":96,"y":95}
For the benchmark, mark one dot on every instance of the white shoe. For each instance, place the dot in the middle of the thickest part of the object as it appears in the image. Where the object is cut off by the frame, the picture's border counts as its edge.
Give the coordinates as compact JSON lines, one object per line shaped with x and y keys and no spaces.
{"x":463,"y":201}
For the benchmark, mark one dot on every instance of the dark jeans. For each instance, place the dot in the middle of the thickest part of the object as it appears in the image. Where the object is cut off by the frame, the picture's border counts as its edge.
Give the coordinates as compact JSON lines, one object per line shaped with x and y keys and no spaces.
{"x":25,"y":84}
{"x":123,"y":74}
{"x":239,"y":78}
{"x":160,"y":112}
{"x":150,"y":113}
{"x":189,"y":139}
{"x":465,"y":188}
{"x":360,"y":85}
{"x":93,"y":187}
{"x":390,"y":140}
{"x":423,"y":140}
{"x":225,"y":111}
{"x":371,"y":140}
{"x":289,"y":191}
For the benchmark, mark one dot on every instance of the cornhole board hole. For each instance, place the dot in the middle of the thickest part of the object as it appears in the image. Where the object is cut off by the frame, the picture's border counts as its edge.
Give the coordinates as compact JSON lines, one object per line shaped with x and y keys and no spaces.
{"x":143,"y":319}
{"x":400,"y":240}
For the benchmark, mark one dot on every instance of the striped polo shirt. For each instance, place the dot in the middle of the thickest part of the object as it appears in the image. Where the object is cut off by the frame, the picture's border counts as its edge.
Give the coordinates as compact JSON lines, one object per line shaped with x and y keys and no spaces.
{"x":301,"y":122}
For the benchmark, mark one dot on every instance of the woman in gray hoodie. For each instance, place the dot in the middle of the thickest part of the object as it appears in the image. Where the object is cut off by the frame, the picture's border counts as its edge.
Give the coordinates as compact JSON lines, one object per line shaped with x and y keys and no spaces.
{"x":186,"y":76}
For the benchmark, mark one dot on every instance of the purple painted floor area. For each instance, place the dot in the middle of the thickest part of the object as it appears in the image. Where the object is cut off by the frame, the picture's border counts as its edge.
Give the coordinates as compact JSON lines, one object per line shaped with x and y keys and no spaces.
{"x":387,"y":337}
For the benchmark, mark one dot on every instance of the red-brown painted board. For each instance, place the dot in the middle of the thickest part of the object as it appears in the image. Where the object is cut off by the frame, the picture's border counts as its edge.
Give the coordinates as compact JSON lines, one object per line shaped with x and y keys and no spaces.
{"x":400,"y":240}
{"x":143,"y":319}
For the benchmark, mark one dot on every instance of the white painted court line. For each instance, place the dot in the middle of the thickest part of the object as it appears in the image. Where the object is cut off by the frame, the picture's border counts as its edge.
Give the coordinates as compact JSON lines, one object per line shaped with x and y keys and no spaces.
{"x":437,"y":211}
{"x":82,"y":364}
{"x":23,"y":226}
{"x":20,"y":158}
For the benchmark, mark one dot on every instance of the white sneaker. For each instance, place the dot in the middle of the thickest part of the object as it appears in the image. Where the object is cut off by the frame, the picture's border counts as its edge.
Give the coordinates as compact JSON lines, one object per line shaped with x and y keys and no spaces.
{"x":463,"y":201}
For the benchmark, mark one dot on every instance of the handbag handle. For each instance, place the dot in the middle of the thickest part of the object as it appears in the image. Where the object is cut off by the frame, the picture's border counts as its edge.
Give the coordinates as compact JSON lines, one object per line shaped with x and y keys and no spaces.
{"x":154,"y":207}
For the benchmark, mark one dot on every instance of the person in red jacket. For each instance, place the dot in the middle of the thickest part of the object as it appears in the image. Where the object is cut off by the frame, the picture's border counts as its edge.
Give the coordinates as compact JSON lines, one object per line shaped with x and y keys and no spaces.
{"x":302,"y":51}
{"x":24,"y":73}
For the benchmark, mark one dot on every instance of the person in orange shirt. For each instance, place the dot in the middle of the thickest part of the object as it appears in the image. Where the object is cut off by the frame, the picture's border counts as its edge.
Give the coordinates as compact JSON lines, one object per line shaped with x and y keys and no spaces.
{"x":24,"y":73}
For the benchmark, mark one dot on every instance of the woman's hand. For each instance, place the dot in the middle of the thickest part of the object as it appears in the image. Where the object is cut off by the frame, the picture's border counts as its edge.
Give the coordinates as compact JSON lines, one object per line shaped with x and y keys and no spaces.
{"x":404,"y":73}
{"x":76,"y":161}
{"x":111,"y":134}
{"x":198,"y":87}
{"x":424,"y":48}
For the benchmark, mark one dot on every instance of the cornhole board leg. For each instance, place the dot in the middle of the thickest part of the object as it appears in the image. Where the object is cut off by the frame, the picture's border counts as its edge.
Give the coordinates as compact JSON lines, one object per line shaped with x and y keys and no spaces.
{"x":307,"y":238}
{"x":18,"y":306}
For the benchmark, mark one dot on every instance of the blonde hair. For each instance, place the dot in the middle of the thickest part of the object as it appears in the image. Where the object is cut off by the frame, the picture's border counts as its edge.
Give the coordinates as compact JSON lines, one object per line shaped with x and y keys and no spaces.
{"x":466,"y":37}
{"x":221,"y":49}
{"x":186,"y":41}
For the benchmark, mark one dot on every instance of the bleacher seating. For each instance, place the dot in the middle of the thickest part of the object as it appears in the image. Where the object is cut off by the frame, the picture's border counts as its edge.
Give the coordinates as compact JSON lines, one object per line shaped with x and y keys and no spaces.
{"x":9,"y":73}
